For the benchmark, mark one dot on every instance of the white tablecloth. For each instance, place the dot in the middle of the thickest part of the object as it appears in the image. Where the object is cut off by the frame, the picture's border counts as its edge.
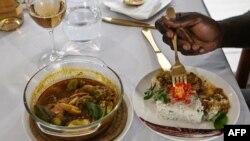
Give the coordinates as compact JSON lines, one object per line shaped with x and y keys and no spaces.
{"x":218,"y":10}
{"x":123,"y":48}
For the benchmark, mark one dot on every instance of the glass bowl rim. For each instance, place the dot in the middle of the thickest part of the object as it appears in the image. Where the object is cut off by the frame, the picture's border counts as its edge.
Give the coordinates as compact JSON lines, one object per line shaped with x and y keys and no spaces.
{"x":57,"y":127}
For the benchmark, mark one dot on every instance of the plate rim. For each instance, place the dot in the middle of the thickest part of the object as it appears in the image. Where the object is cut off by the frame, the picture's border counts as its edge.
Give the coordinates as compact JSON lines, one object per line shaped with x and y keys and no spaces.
{"x":184,"y":138}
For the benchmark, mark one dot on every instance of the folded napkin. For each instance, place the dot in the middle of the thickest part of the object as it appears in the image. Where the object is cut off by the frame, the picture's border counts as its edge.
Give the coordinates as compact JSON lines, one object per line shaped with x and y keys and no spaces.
{"x":142,"y":12}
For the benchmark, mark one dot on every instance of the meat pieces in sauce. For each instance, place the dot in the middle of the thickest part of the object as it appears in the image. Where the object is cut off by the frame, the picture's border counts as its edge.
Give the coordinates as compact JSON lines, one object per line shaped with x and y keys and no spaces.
{"x":75,"y":102}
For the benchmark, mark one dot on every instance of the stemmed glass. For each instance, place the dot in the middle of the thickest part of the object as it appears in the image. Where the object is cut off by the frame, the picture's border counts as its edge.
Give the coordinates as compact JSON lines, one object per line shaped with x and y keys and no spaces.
{"x":48,"y":14}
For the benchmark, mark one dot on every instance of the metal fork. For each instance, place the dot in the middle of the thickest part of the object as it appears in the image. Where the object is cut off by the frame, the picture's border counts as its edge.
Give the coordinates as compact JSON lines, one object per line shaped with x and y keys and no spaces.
{"x":178,"y":71}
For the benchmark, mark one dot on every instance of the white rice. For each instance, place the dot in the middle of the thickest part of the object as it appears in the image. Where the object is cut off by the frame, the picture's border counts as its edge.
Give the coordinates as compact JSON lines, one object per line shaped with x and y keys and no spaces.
{"x":180,"y":111}
{"x":211,"y":113}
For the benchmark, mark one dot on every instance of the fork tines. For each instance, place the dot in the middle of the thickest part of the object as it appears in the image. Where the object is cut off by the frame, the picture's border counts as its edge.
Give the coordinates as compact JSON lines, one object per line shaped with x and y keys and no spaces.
{"x":178,"y":73}
{"x":179,"y":78}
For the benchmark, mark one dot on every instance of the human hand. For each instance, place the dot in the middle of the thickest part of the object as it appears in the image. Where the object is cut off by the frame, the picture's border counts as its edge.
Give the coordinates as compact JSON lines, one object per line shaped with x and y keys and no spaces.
{"x":196,"y":33}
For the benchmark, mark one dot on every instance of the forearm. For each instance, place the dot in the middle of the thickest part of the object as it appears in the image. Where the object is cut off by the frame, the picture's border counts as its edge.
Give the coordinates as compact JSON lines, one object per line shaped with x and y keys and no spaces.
{"x":236,"y":31}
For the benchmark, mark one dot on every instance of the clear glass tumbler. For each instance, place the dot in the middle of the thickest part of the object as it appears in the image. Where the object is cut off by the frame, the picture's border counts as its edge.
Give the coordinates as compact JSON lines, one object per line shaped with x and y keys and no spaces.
{"x":11,"y":15}
{"x":82,"y":25}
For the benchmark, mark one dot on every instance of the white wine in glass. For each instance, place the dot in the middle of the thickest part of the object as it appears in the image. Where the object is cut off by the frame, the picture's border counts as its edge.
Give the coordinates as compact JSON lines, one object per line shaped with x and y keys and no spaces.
{"x":48,"y":14}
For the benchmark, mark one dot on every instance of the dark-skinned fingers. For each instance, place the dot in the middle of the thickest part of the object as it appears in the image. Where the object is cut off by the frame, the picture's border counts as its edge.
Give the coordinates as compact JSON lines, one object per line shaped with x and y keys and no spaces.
{"x":160,"y":26}
{"x":196,"y":47}
{"x":181,"y":14}
{"x":185,"y":34}
{"x":189,"y":19}
{"x":185,"y":48}
{"x":169,"y":23}
{"x":190,"y":23}
{"x":190,"y":49}
{"x":181,"y":35}
{"x":167,"y":41}
{"x":194,"y":52}
{"x":186,"y":52}
{"x":163,"y":29}
{"x":170,"y":34}
{"x":202,"y":50}
{"x":190,"y":52}
{"x":183,"y":45}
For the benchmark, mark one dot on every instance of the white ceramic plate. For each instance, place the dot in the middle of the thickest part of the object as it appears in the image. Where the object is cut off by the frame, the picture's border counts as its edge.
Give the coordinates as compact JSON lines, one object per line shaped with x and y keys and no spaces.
{"x":143,"y":12}
{"x":147,"y":109}
{"x":123,"y":133}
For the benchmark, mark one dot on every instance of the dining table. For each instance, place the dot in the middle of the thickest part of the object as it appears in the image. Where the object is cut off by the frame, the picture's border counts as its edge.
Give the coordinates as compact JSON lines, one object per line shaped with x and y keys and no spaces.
{"x":122,"y":48}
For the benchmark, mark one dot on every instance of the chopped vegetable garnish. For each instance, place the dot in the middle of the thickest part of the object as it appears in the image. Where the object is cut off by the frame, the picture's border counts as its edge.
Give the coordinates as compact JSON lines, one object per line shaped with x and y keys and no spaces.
{"x":160,"y":95}
{"x":149,"y":92}
{"x":157,"y":94}
{"x":181,"y":92}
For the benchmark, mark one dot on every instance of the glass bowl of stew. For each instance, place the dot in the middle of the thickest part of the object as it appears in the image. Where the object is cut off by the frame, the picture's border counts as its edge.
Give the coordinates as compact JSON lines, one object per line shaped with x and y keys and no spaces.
{"x":75,"y":97}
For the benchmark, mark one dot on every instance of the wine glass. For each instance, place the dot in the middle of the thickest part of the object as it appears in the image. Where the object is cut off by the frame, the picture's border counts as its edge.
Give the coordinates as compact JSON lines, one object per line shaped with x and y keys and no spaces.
{"x":48,"y":14}
{"x":82,"y":24}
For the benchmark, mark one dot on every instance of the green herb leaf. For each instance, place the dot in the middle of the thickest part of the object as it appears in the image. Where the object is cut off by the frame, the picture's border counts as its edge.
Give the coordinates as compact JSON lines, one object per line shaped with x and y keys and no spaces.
{"x":160,"y":95}
{"x":149,"y":92}
{"x":72,"y":85}
{"x":148,"y":96}
{"x":219,"y":120}
{"x":157,"y":94}
{"x":95,"y":110}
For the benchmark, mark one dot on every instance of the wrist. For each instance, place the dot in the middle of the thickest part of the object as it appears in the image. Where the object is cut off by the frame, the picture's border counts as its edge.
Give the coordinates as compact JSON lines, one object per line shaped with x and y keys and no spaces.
{"x":235,"y":31}
{"x":223,"y":30}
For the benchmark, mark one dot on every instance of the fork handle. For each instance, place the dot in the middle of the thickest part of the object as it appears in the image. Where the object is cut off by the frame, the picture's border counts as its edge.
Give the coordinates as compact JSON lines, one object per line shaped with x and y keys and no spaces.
{"x":174,"y":42}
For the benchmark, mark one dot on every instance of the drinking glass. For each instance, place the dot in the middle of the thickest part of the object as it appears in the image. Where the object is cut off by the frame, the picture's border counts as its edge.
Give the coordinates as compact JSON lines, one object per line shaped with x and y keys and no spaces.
{"x":11,"y":14}
{"x":48,"y":14}
{"x":82,"y":26}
